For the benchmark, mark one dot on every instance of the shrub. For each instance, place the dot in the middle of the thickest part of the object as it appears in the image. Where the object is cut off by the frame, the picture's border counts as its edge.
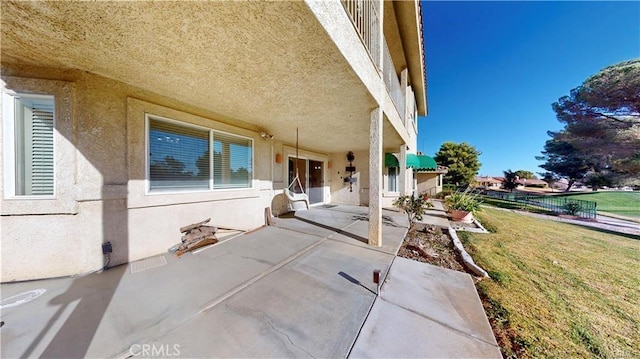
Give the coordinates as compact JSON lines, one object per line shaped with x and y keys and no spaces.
{"x":464,"y":201}
{"x":414,"y":206}
{"x":572,"y":208}
{"x":448,"y":189}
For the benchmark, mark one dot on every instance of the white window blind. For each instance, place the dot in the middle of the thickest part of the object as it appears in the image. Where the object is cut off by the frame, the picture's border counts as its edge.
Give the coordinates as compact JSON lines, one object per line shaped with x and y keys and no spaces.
{"x":232,"y":161}
{"x":178,"y":156}
{"x":34,"y":146}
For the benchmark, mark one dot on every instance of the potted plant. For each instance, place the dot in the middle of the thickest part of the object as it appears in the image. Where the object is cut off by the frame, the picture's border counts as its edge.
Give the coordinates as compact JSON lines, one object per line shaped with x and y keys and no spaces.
{"x":463,"y":205}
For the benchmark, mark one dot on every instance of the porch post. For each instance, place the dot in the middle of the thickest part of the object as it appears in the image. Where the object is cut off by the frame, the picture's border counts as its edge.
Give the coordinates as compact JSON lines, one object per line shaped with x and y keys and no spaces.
{"x":375,"y":178}
{"x":404,"y":179}
{"x":403,"y":170}
{"x":404,"y":87}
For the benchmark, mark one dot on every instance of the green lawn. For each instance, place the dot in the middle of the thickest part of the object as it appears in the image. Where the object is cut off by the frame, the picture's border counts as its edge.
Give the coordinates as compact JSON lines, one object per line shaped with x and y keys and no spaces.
{"x":622,"y":203}
{"x":558,"y":290}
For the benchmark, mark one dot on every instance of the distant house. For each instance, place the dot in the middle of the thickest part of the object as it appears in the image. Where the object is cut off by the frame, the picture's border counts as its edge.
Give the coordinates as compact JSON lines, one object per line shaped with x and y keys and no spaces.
{"x":488,"y":182}
{"x":532,"y":182}
{"x":497,"y":182}
{"x":125,"y":120}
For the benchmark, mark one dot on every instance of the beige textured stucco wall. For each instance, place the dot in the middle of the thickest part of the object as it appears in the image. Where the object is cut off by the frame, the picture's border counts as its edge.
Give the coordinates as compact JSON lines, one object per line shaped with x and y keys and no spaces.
{"x":428,"y":182}
{"x":102,"y":186}
{"x":340,"y":193}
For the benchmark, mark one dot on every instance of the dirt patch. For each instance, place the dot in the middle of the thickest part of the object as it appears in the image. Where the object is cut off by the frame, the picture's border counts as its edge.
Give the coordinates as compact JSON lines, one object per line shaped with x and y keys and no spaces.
{"x":432,"y":245}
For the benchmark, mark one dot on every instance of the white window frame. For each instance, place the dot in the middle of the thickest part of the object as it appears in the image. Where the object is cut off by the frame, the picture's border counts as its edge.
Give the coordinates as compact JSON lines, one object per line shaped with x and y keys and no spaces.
{"x":9,"y":143}
{"x":388,"y":181}
{"x":153,"y":192}
{"x":64,"y":200}
{"x":212,"y":136}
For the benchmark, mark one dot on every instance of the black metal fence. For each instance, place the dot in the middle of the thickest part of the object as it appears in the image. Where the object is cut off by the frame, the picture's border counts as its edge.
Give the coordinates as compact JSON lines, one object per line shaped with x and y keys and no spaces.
{"x":557,"y":204}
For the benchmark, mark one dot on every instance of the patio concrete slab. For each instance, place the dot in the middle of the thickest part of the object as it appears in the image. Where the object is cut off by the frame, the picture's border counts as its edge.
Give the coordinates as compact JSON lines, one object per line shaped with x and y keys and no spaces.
{"x":426,"y":311}
{"x":349,"y":225}
{"x":357,"y":233}
{"x":297,"y":290}
{"x":298,"y":282}
{"x":311,"y":307}
{"x":104,"y":314}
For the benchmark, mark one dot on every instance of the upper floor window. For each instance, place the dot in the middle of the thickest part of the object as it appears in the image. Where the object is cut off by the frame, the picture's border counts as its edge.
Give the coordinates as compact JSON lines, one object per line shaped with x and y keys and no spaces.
{"x":180,"y":158}
{"x":29,"y":121}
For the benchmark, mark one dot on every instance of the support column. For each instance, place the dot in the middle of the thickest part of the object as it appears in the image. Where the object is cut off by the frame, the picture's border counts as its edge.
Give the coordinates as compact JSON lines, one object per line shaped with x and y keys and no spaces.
{"x":404,"y":87}
{"x":375,"y":178}
{"x":404,"y":179}
{"x":403,"y":170}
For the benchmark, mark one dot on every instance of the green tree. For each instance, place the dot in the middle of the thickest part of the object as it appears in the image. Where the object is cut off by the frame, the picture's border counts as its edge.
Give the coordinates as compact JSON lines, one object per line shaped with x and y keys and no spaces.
{"x":462,"y":161}
{"x":522,"y":174}
{"x":602,"y":121}
{"x":564,"y":160}
{"x":549,"y":177}
{"x":510,"y":180}
{"x":598,"y":180}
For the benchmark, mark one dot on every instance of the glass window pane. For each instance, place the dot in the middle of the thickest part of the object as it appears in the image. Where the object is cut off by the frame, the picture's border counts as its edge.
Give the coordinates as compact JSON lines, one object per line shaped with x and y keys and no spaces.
{"x":178,"y":156}
{"x":34,"y":146}
{"x":232,"y":161}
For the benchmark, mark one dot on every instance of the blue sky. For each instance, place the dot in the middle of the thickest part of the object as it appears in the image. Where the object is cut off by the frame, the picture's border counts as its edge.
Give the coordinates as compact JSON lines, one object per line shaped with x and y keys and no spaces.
{"x":495,"y":68}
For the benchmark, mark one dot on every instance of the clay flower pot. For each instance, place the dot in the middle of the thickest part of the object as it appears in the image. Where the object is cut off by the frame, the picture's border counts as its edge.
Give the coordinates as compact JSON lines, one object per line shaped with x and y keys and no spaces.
{"x":461,"y":216}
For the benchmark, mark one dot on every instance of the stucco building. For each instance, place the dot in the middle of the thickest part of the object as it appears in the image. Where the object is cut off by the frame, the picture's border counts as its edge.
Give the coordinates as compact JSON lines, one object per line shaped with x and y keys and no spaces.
{"x":123,"y":121}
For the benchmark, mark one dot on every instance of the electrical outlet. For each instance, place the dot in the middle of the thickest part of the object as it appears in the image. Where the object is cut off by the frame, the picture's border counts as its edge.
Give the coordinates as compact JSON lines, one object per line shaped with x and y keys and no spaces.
{"x":106,"y":248}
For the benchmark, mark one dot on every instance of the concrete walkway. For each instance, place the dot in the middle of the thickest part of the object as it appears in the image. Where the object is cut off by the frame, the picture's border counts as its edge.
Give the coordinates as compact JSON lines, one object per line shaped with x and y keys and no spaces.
{"x":424,"y":311}
{"x":302,"y":288}
{"x":436,"y":216}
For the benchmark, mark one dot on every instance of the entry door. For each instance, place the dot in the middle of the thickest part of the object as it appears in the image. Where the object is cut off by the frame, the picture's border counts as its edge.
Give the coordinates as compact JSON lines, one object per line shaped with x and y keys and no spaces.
{"x":316,"y":182}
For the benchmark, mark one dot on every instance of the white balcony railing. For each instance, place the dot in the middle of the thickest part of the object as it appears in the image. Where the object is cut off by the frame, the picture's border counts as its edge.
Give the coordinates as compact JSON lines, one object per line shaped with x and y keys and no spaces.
{"x":365,"y":17}
{"x":392,"y":81}
{"x":412,"y":109}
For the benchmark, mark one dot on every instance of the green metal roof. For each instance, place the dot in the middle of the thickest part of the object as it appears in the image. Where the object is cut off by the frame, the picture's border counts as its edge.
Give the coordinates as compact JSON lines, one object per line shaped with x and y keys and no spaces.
{"x":390,"y":160}
{"x":421,"y":162}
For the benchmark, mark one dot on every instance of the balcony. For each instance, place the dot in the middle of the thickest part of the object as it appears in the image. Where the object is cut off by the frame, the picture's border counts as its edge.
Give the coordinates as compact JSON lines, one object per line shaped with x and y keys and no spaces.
{"x":365,"y":16}
{"x":366,"y":20}
{"x":391,"y":81}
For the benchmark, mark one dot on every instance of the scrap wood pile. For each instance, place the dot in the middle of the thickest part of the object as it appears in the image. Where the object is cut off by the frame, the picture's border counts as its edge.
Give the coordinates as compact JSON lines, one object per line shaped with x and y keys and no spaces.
{"x":195,"y":236}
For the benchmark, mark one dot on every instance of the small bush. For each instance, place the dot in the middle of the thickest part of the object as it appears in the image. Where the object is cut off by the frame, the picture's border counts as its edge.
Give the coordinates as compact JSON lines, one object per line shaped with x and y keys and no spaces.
{"x":448,"y":189}
{"x":464,"y":201}
{"x":414,"y":206}
{"x":572,"y":208}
